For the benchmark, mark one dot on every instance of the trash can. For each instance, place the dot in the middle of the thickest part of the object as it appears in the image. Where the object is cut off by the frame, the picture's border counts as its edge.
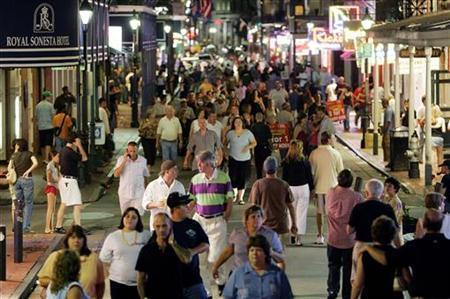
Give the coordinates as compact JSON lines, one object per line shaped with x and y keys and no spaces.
{"x":399,"y":145}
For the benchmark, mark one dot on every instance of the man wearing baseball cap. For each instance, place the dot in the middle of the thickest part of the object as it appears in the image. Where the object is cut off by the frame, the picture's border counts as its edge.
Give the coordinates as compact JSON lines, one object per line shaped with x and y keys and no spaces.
{"x":189,"y":234}
{"x":445,"y":168}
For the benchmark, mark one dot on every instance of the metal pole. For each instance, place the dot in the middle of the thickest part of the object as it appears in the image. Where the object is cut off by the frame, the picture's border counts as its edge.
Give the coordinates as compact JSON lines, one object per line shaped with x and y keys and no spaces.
{"x":364,"y":118}
{"x":134,"y":82}
{"x":2,"y":252}
{"x":376,"y":112}
{"x":18,"y":230}
{"x":93,"y":97}
{"x":397,"y":86}
{"x":411,"y":120}
{"x":428,"y":148}
{"x":387,"y":81}
{"x":83,"y":109}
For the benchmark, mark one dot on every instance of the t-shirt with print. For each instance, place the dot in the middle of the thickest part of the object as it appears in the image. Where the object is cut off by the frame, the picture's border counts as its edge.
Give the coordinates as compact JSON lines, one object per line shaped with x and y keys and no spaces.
{"x":189,"y":234}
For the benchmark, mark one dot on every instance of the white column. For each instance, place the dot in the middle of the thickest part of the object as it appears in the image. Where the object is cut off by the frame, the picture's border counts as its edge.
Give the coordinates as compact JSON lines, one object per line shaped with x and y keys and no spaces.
{"x":375,"y":105}
{"x":397,"y":86}
{"x":428,"y":148}
{"x":386,"y":73}
{"x":411,"y":120}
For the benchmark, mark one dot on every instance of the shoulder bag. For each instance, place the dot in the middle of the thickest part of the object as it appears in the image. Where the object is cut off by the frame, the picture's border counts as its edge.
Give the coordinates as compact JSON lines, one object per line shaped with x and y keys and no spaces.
{"x":11,"y":175}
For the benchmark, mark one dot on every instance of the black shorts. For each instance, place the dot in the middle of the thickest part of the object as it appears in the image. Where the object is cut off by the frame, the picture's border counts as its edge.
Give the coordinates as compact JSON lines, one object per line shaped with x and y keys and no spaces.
{"x":46,"y":137}
{"x":239,"y":172}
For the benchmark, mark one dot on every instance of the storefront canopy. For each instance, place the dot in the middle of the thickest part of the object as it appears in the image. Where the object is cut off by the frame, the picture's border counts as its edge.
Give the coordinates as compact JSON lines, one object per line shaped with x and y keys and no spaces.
{"x":431,"y":30}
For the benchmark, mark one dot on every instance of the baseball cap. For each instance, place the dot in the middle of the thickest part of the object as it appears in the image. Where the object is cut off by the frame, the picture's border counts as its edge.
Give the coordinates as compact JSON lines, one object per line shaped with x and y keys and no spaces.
{"x":270,"y":165}
{"x":445,"y":163}
{"x":47,"y":93}
{"x":176,"y":199}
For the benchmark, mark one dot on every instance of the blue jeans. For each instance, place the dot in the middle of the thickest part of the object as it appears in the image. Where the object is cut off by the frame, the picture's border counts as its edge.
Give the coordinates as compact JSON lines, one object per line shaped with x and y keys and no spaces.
{"x":59,"y":144}
{"x":347,"y":109}
{"x":169,"y":150}
{"x":196,"y":291}
{"x":24,"y":194}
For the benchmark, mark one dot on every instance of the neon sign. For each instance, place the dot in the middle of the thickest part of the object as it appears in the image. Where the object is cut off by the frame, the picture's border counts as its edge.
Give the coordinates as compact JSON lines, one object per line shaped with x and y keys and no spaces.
{"x":341,"y":14}
{"x":327,"y":40}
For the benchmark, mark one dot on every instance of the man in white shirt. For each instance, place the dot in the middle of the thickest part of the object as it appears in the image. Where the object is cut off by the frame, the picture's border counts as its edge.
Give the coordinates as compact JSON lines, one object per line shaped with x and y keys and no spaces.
{"x":155,"y":195}
{"x":169,"y":135}
{"x":278,"y":96}
{"x":214,"y":125}
{"x":103,"y":114}
{"x":326,"y":164}
{"x":132,"y":170}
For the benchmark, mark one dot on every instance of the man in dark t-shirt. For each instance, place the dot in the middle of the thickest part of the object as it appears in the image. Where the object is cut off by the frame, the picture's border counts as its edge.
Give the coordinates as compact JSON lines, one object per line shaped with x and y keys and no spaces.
{"x":159,"y":264}
{"x":69,"y":157}
{"x":189,"y":234}
{"x":364,"y":213}
{"x":263,"y":137}
{"x":445,"y":168}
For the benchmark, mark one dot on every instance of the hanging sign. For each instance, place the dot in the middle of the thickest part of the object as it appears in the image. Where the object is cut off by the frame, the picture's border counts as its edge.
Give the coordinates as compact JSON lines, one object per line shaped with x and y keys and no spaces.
{"x":38,"y":33}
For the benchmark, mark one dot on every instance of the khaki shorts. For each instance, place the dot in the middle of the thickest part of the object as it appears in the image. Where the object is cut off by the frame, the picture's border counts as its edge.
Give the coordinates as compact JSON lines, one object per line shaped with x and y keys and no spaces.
{"x":319,"y":203}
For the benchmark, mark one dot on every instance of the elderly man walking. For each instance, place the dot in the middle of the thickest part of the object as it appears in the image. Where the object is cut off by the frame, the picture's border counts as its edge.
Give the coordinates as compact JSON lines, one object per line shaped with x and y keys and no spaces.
{"x":364,"y":213}
{"x":340,"y":202}
{"x":132,"y":170}
{"x":326,"y":163}
{"x":169,"y":135}
{"x":275,"y":198}
{"x":212,"y":195}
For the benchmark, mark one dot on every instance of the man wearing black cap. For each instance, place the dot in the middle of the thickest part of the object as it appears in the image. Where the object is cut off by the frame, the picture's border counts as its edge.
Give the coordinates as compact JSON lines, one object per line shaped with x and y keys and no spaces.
{"x":188,"y":234}
{"x":445,"y":168}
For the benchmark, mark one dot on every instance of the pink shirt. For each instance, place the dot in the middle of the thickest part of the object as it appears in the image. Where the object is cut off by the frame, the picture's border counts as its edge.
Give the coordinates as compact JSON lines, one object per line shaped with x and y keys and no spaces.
{"x":339,"y":204}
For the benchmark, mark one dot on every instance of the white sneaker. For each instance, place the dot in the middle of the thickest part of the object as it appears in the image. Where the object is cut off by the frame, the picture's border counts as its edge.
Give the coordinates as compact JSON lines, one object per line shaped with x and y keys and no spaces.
{"x":320,"y":240}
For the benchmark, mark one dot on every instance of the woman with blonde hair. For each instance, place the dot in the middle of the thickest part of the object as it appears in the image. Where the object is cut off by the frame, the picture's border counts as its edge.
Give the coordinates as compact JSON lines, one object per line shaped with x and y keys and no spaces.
{"x":64,"y":283}
{"x":437,"y":133}
{"x":297,"y":173}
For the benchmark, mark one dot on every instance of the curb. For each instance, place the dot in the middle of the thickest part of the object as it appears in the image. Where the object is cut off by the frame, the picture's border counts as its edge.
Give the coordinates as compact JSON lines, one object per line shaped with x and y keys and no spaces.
{"x":381,"y":170}
{"x":29,"y":283}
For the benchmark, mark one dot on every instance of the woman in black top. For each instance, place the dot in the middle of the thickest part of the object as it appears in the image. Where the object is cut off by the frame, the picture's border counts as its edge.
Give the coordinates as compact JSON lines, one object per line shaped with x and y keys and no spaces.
{"x":24,"y":163}
{"x":374,"y":280}
{"x":297,"y":173}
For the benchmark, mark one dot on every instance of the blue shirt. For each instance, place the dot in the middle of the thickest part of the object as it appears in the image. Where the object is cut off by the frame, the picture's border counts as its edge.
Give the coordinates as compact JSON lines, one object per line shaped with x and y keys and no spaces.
{"x":245,"y":283}
{"x":237,"y":143}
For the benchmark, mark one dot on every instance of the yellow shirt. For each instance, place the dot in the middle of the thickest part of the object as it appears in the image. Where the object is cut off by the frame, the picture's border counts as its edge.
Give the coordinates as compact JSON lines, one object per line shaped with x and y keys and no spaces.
{"x":91,"y":272}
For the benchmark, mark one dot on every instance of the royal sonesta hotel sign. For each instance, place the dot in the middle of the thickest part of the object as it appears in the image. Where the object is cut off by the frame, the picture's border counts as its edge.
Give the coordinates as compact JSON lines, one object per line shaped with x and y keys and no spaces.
{"x":39,"y":33}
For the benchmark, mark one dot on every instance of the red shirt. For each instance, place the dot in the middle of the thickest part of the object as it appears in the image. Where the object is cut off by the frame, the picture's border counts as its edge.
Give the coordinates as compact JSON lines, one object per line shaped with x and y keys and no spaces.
{"x":339,"y":204}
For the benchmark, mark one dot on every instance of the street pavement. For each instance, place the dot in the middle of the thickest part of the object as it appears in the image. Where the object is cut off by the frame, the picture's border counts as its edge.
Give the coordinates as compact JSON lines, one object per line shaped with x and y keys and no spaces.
{"x":306,"y":266}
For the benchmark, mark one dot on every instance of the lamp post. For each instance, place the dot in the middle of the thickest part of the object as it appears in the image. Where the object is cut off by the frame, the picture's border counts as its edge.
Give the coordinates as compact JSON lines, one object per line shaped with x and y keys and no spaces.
{"x":135,"y":23}
{"x":169,"y":50}
{"x":86,"y":12}
{"x":367,"y":23}
{"x":85,"y":16}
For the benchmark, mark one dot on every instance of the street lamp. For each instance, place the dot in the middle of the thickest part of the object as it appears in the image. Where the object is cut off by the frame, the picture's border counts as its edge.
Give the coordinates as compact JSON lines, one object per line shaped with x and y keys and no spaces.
{"x":367,"y":23}
{"x":169,"y":49}
{"x":135,"y":23}
{"x":85,"y":12}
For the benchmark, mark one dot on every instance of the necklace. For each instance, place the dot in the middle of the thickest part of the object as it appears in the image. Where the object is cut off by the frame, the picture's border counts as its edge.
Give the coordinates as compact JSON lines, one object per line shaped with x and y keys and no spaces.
{"x":125,"y":240}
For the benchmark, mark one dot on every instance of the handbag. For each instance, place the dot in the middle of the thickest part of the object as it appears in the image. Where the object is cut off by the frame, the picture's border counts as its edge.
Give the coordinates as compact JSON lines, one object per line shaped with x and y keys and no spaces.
{"x":58,"y":130}
{"x":11,"y":175}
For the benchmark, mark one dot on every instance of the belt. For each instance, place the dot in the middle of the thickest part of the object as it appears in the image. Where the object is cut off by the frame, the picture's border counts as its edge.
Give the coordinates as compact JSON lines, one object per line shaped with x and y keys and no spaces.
{"x":169,"y":140}
{"x":211,"y":216}
{"x":69,"y":177}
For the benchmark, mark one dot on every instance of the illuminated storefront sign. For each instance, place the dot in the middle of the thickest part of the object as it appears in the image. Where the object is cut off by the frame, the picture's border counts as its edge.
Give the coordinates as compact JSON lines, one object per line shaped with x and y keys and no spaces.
{"x":327,"y":40}
{"x":341,"y":14}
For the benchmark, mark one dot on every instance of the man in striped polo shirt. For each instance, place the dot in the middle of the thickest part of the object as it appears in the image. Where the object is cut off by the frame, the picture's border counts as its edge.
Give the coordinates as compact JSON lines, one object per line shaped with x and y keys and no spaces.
{"x":212,"y":196}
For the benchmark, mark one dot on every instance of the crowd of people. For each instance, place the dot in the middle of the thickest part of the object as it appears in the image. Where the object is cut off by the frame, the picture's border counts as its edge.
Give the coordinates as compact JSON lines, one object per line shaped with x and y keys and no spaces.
{"x":224,"y":127}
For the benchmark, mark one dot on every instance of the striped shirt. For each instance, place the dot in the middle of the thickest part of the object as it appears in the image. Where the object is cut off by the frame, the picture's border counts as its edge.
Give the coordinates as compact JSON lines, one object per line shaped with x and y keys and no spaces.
{"x":211,"y":194}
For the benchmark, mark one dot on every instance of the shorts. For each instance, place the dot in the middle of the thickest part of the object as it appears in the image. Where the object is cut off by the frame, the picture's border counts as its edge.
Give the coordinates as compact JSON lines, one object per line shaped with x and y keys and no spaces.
{"x":50,"y":189}
{"x":69,"y":191}
{"x":319,"y":202}
{"x":46,"y":137}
